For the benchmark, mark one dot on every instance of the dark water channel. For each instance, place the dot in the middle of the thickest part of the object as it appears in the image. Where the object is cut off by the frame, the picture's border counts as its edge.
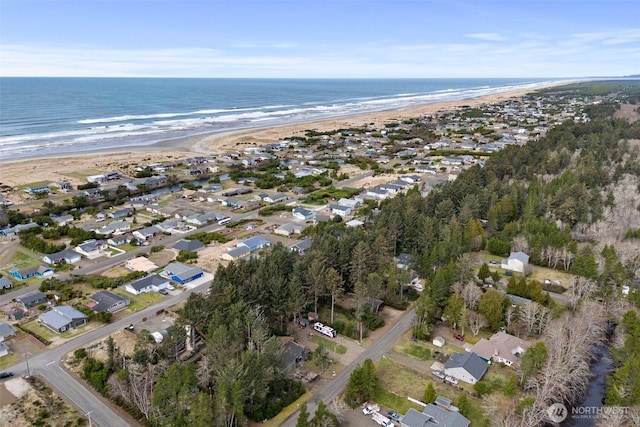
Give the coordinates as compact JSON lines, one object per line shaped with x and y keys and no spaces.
{"x":583,"y":411}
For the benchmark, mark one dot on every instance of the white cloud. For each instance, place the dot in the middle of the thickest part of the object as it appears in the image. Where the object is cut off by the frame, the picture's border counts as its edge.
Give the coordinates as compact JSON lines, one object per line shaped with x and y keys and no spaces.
{"x":525,"y":56}
{"x":491,"y":37}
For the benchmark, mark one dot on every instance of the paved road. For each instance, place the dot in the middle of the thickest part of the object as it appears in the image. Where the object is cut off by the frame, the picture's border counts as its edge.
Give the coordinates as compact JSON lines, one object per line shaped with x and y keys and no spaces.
{"x":381,"y":346}
{"x":47,"y":366}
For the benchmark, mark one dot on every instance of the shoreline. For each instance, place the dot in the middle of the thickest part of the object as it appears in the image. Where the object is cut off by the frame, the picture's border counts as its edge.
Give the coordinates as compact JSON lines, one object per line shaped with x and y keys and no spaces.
{"x":48,"y":167}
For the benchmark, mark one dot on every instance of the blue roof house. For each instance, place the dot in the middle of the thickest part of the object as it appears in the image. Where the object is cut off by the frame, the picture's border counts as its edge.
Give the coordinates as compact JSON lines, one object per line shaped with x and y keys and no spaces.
{"x":255,"y":243}
{"x":182,"y":273}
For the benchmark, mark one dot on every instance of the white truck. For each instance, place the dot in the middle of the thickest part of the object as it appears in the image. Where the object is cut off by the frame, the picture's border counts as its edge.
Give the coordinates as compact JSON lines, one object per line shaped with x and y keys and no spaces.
{"x":370,"y":408}
{"x":382,"y":420}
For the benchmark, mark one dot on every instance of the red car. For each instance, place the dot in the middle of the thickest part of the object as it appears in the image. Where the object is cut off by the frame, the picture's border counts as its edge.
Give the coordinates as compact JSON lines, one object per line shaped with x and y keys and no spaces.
{"x":458,"y":337}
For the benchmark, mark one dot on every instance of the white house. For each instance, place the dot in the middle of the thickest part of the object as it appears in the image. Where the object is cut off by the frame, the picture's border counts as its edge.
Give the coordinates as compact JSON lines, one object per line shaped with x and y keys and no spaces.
{"x":518,"y":262}
{"x":303,"y":214}
{"x":91,"y":248}
{"x":467,"y":367}
{"x":147,"y":284}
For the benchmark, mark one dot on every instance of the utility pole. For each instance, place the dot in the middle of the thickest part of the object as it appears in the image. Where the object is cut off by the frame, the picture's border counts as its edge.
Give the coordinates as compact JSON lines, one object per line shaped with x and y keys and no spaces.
{"x":26,"y":358}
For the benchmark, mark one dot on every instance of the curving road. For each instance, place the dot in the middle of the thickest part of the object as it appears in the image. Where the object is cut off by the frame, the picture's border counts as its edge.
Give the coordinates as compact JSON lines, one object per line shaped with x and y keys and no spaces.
{"x":374,"y":352}
{"x":47,"y":365}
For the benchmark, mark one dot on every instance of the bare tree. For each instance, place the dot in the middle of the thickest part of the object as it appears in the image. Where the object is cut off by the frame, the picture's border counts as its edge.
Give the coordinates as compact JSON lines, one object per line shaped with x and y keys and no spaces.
{"x":476,"y":322}
{"x":534,"y":317}
{"x":579,"y":289}
{"x":471,"y":293}
{"x":569,"y":341}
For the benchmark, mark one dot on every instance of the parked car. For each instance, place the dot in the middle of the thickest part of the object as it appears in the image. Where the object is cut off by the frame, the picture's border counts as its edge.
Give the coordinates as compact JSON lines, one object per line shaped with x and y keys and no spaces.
{"x":438,"y":374}
{"x":163,"y":292}
{"x":393,"y":415}
{"x":450,"y":379}
{"x":171,"y":287}
{"x":493,"y":262}
{"x":5,"y":374}
{"x":458,"y":337}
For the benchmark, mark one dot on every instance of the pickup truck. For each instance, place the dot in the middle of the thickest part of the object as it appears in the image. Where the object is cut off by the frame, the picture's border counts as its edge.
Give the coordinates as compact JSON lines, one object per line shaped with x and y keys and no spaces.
{"x":370,"y":408}
{"x":382,"y":420}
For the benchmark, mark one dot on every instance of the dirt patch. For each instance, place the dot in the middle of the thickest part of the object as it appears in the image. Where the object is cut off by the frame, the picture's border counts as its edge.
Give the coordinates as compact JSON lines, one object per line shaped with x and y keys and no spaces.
{"x":28,"y":403}
{"x":26,"y":343}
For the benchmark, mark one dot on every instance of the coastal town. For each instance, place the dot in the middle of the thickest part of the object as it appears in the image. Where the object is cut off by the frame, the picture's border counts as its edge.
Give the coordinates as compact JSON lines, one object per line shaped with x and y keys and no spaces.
{"x":98,"y":247}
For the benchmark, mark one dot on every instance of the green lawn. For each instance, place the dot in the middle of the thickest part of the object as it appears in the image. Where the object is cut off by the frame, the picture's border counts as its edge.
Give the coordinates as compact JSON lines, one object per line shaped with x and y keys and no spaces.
{"x":40,"y":330}
{"x":330,"y":345}
{"x":8,"y":360}
{"x":139,"y":302}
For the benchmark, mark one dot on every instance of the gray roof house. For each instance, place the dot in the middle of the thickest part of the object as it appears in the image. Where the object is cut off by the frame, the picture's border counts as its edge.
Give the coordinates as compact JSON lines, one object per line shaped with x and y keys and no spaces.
{"x":7,"y":331}
{"x":107,"y":301}
{"x":467,"y":367}
{"x":67,"y":255}
{"x":302,"y":246}
{"x":32,"y":300}
{"x":63,"y":318}
{"x":150,"y":283}
{"x":188,"y":245}
{"x":5,"y":283}
{"x":432,"y":416}
{"x":303,"y":214}
{"x":255,"y":243}
{"x":517,"y":261}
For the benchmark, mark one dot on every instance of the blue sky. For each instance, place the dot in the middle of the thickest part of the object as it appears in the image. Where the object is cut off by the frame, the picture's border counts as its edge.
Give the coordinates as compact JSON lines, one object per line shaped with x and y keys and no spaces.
{"x":320,"y":38}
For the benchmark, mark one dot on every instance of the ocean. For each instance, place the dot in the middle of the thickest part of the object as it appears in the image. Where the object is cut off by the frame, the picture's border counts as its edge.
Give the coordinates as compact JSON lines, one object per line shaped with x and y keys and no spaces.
{"x":54,"y":116}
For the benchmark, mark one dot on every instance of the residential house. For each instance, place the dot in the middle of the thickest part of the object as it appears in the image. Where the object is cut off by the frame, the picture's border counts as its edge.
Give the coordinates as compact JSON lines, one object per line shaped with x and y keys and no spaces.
{"x":7,"y":331}
{"x":302,"y":246}
{"x":354,"y":223}
{"x":303,"y":214}
{"x":5,"y":283}
{"x":377,"y":194}
{"x":518,"y":262}
{"x":147,"y":233}
{"x":150,"y":283}
{"x":121,"y":213}
{"x":234,"y":254}
{"x":501,"y":348}
{"x":188,"y":245}
{"x":183,"y":273}
{"x":467,"y":367}
{"x":352,"y":203}
{"x":13,"y":231}
{"x":62,"y":318}
{"x":35,"y":271}
{"x":62,"y":219}
{"x":340,"y":210}
{"x":42,"y":189}
{"x":17,"y":314}
{"x":119,"y":239}
{"x":403,"y":260}
{"x":441,"y":414}
{"x":255,"y":243}
{"x":4,"y":349}
{"x":289,"y":228}
{"x":275,"y":198}
{"x":91,"y":248}
{"x":63,"y":185}
{"x":66,"y":256}
{"x":108,"y":301}
{"x":293,"y":354}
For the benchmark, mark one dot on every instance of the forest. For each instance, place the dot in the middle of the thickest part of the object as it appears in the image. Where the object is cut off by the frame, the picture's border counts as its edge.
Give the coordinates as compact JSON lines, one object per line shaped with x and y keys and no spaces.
{"x":558,"y":199}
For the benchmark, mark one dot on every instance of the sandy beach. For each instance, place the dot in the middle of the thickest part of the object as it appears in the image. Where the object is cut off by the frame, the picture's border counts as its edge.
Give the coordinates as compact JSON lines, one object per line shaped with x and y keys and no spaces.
{"x":74,"y":167}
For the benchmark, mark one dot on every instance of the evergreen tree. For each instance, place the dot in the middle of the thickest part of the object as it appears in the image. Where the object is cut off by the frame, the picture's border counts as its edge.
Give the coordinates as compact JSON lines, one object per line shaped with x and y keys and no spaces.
{"x":430,"y":393}
{"x":303,"y":417}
